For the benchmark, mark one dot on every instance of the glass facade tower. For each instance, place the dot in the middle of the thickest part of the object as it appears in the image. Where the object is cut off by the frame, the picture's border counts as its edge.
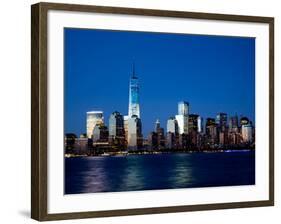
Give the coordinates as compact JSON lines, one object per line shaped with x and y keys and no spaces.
{"x":93,"y":118}
{"x":182,"y":117}
{"x":183,"y":108}
{"x":134,"y":106}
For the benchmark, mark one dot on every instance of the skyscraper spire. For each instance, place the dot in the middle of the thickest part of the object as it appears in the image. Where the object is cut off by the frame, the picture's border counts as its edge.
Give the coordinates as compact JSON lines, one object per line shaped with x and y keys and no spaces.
{"x":134,"y":72}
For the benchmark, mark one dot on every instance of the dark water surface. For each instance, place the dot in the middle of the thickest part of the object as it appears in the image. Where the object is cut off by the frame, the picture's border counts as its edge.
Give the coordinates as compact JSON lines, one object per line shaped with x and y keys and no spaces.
{"x":158,"y":171}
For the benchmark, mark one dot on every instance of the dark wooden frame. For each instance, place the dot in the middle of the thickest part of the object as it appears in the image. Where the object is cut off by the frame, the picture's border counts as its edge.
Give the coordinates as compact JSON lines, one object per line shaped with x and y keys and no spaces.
{"x":39,"y":110}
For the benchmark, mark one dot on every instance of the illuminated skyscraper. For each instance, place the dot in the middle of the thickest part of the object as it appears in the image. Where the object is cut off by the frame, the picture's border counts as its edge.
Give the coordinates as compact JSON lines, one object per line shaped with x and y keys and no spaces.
{"x":182,"y":117}
{"x":182,"y":123}
{"x":221,"y":121}
{"x":126,"y":119}
{"x":247,"y":133}
{"x":200,"y":124}
{"x":172,"y":133}
{"x":160,"y":135}
{"x":134,"y":106}
{"x":116,"y":129}
{"x":172,"y":125}
{"x":233,"y":124}
{"x":244,"y":121}
{"x":211,"y":130}
{"x":93,"y":118}
{"x":116,"y":125}
{"x":193,"y":122}
{"x":132,"y":122}
{"x":183,"y":108}
{"x":100,"y":133}
{"x":157,"y":125}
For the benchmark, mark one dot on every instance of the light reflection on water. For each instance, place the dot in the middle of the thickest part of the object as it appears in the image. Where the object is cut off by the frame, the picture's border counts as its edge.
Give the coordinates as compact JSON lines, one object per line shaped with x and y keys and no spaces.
{"x":160,"y":171}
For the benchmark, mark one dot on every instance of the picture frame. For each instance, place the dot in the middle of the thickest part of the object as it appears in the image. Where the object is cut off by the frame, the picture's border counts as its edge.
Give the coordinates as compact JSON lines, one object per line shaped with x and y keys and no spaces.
{"x":40,"y":101}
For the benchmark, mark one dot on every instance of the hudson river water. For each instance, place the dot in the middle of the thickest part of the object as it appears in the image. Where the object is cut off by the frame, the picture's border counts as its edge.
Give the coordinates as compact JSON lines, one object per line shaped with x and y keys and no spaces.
{"x":158,"y":171}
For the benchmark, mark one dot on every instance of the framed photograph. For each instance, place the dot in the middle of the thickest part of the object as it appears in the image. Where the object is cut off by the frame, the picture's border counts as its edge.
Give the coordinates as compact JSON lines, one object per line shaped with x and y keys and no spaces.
{"x":140,"y":111}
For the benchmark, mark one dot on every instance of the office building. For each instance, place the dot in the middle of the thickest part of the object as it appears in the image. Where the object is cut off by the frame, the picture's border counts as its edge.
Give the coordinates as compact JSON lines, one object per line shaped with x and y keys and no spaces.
{"x":193,"y":122}
{"x":221,"y":121}
{"x":223,"y":138}
{"x":244,"y":121}
{"x":160,"y":135}
{"x":69,"y":142}
{"x":247,"y":133}
{"x":93,"y":118}
{"x":182,"y":117}
{"x":233,"y":124}
{"x":81,"y":145}
{"x":172,"y":125}
{"x":116,"y":129}
{"x":125,"y":119}
{"x":182,"y":121}
{"x":100,"y":133}
{"x":153,"y":141}
{"x":134,"y":133}
{"x":171,"y":140}
{"x":157,"y":125}
{"x":172,"y":133}
{"x":211,"y":131}
{"x":200,"y":124}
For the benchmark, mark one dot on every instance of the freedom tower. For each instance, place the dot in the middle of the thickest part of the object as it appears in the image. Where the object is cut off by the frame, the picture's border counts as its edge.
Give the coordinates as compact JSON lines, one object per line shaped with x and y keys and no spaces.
{"x":132,"y":122}
{"x":134,"y":106}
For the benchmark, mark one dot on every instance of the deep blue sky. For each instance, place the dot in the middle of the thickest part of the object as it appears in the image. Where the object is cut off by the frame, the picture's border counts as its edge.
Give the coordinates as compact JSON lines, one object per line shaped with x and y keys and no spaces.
{"x":213,"y":73}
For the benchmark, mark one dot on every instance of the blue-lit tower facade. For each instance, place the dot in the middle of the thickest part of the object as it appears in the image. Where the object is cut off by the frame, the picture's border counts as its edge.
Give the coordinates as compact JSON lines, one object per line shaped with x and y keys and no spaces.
{"x":133,"y":121}
{"x":134,"y":106}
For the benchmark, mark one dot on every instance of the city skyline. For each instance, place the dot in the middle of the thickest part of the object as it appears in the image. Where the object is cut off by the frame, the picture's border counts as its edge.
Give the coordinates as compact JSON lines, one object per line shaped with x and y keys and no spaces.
{"x":153,"y":106}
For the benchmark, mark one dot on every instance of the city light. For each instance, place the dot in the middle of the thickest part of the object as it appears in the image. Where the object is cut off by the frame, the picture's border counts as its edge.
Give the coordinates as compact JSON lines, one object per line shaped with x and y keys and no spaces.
{"x":185,"y":131}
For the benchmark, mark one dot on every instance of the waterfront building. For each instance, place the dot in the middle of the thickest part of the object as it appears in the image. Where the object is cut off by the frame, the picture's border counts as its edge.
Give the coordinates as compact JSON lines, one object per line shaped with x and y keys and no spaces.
{"x":134,"y":106}
{"x":221,"y":121}
{"x":194,"y":138}
{"x":182,"y":117}
{"x":233,"y":124}
{"x":153,"y":140}
{"x":223,"y":138}
{"x":69,"y":142}
{"x":93,"y":118}
{"x":171,"y":140}
{"x":211,"y":131}
{"x":193,"y":122}
{"x":134,"y":133}
{"x":193,"y":129}
{"x":172,"y":125}
{"x":116,"y":129}
{"x":210,"y":122}
{"x":160,"y":135}
{"x":172,"y":133}
{"x":100,"y":133}
{"x":145,"y":144}
{"x":81,"y":145}
{"x":247,"y":133}
{"x":200,"y":124}
{"x":244,"y":121}
{"x":182,"y":121}
{"x":126,"y":117}
{"x":184,"y":141}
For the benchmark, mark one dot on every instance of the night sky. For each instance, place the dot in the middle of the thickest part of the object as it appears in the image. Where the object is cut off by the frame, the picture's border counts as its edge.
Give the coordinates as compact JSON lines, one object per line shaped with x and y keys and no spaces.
{"x":213,"y":73}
